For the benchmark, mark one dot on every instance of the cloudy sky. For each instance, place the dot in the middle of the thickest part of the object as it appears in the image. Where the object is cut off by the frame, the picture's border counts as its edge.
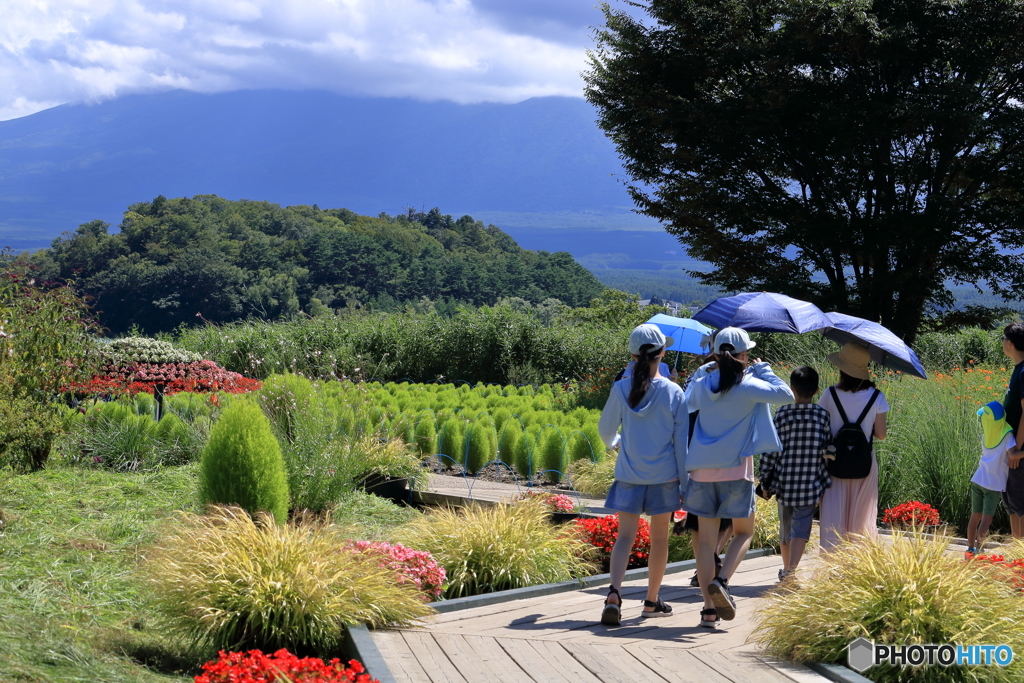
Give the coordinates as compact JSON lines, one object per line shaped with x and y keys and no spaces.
{"x":56,"y":51}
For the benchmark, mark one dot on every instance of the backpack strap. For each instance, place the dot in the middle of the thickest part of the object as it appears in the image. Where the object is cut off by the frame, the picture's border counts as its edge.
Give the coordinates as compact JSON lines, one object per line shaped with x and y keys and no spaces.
{"x":871,"y":402}
{"x":839,"y":405}
{"x":863,"y":414}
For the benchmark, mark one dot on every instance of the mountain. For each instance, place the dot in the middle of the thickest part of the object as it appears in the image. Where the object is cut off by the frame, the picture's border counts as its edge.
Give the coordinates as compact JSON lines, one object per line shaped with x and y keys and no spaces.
{"x":538,"y":164}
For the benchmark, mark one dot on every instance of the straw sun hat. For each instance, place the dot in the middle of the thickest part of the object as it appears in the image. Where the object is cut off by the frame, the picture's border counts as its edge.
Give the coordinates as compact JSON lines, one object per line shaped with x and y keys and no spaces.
{"x":852,"y":359}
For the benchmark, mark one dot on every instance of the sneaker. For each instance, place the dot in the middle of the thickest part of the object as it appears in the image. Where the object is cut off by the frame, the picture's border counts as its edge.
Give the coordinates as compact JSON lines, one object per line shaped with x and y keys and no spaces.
{"x":724,"y":604}
{"x":971,"y":552}
{"x":783,"y":574}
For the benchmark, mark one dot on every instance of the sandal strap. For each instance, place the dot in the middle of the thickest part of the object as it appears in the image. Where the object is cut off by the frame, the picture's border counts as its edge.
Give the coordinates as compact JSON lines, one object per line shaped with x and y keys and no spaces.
{"x":613,"y":589}
{"x":656,"y":603}
{"x":710,"y":610}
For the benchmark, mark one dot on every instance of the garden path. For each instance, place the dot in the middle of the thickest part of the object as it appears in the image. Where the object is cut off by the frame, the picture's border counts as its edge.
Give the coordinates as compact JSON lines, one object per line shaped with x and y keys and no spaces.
{"x":557,"y":638}
{"x":457,"y":488}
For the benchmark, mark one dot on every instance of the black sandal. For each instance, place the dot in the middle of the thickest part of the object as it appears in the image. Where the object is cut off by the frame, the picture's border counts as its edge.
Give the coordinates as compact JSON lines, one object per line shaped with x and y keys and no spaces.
{"x":610,"y":613}
{"x":714,"y":623}
{"x":660,"y":609}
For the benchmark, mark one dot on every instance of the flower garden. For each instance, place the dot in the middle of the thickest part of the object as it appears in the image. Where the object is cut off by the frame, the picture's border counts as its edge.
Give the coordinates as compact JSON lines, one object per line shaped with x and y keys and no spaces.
{"x":135,"y":549}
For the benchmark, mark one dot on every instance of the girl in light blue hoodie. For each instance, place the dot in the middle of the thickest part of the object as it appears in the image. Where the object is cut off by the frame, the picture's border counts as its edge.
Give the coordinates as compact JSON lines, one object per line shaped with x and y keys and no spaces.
{"x":651,"y":465}
{"x":733,"y":423}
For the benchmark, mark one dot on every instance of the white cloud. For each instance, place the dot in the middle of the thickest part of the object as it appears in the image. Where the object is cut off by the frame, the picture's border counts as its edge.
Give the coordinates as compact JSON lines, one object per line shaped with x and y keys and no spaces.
{"x":54,"y":51}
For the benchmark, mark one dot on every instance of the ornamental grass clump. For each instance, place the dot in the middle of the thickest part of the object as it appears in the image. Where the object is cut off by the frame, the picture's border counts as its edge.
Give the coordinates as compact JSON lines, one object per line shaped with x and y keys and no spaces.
{"x":242,"y":463}
{"x":904,"y":589}
{"x":593,"y":478}
{"x":228,"y":582}
{"x":493,"y":548}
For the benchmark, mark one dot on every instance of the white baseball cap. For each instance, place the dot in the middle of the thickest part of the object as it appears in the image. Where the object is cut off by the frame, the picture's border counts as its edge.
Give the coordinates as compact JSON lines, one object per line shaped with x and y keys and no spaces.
{"x":647,"y":334}
{"x":735,"y":337}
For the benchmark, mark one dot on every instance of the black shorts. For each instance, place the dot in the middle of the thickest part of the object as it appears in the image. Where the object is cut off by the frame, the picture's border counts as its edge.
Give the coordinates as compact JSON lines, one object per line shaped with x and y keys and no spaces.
{"x":691,"y":523}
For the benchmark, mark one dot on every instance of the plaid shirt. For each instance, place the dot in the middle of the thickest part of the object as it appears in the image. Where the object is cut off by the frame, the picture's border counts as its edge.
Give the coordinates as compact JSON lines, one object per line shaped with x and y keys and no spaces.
{"x":797,"y":473}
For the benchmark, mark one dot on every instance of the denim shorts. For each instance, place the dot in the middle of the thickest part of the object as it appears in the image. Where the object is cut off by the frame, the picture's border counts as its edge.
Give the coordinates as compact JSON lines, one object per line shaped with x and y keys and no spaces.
{"x":649,"y":499}
{"x":732,"y":499}
{"x":795,"y":522}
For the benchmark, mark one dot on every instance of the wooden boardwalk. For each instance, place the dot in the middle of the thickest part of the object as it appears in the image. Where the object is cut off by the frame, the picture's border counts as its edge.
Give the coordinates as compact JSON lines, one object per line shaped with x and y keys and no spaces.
{"x":558,"y":638}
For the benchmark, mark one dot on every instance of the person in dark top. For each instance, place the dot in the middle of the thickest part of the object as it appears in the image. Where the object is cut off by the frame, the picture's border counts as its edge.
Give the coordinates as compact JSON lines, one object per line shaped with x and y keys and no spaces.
{"x":1013,"y":405}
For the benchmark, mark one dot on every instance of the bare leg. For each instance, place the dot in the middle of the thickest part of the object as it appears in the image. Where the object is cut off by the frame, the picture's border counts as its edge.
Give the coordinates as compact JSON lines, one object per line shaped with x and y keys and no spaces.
{"x":659,"y":555}
{"x":704,"y":552}
{"x":983,"y":525}
{"x":796,"y":551}
{"x":972,"y":529}
{"x":1015,"y":526}
{"x":743,"y":533}
{"x":628,"y":525}
{"x":784,"y":551}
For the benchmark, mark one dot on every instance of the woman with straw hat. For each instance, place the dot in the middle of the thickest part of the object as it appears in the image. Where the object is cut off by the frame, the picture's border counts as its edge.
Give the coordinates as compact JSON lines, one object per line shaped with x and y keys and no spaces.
{"x":850,"y":506}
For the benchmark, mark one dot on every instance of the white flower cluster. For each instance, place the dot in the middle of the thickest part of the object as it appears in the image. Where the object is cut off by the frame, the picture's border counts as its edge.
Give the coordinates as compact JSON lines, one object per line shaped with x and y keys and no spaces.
{"x":144,"y":350}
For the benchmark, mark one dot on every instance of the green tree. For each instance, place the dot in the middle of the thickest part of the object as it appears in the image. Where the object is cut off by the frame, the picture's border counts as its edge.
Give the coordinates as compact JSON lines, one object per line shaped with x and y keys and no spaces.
{"x":860,"y":153}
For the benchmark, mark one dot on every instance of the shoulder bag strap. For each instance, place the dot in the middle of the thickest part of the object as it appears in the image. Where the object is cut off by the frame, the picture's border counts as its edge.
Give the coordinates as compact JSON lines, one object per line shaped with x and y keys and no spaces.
{"x":839,"y":405}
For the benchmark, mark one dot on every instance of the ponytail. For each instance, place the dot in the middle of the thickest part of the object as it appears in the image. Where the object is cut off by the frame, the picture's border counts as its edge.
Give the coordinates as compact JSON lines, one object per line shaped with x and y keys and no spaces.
{"x":642,"y":374}
{"x":730,"y":369}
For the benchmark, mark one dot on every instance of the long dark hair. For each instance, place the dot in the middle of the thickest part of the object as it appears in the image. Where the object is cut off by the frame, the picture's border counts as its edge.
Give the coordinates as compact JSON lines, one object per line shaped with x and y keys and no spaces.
{"x":642,"y":374}
{"x":730,"y":368}
{"x":853,"y":384}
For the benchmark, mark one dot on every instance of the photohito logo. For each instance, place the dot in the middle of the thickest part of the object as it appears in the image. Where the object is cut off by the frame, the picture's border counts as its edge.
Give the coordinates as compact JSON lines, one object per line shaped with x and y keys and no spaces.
{"x":863,"y":654}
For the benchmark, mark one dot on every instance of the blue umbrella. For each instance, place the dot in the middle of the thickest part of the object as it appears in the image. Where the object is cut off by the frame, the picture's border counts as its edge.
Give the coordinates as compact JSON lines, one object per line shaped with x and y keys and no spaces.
{"x":763,"y":312}
{"x":886,"y":348}
{"x":689,"y":335}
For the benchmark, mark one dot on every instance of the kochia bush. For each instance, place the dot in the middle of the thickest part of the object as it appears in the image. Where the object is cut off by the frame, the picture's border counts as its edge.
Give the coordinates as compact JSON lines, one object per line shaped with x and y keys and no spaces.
{"x":242,"y":463}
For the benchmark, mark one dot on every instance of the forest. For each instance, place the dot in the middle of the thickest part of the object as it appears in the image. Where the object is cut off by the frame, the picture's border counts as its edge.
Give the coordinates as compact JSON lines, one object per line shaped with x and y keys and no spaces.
{"x":181,"y":261}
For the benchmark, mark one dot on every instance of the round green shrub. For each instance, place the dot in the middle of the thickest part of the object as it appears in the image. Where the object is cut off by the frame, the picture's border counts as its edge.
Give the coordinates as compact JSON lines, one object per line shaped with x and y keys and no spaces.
{"x":550,"y":447}
{"x":242,"y":463}
{"x":426,"y":434}
{"x":452,"y":441}
{"x":483,"y":443}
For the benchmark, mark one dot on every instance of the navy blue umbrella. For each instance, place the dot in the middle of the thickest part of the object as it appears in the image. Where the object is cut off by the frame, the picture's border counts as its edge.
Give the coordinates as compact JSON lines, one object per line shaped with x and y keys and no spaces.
{"x":886,"y":348}
{"x":763,"y":312}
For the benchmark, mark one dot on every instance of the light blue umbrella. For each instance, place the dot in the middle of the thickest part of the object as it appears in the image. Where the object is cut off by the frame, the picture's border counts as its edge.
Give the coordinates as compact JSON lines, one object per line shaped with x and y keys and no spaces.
{"x":886,"y":348}
{"x":690,"y":336}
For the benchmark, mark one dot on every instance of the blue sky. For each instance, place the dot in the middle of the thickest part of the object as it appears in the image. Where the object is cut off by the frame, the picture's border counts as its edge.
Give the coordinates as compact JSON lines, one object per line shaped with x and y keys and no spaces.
{"x":57,"y":51}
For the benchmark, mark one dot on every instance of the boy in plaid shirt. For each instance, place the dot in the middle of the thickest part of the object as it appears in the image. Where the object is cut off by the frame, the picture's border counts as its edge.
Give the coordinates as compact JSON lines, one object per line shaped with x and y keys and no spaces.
{"x":797,"y":473}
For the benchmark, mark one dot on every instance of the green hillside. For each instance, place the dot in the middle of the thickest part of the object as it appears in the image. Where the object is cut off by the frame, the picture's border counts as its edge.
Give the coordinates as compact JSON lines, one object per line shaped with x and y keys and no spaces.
{"x":179,"y":261}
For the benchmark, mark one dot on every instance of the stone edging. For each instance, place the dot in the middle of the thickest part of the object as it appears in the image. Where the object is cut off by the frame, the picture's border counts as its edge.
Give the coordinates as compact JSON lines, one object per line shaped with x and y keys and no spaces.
{"x":833,"y":672}
{"x":360,"y":645}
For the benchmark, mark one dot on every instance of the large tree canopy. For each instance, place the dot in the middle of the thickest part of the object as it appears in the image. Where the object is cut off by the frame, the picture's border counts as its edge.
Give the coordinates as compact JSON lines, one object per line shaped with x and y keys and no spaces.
{"x":858,"y":153}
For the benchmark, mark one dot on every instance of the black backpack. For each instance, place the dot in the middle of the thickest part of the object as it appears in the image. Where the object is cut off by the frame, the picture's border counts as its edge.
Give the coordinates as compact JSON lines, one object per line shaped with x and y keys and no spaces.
{"x":853,"y":449}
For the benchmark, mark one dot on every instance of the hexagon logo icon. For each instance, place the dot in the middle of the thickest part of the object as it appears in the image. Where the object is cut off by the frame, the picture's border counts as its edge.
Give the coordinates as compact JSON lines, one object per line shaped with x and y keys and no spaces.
{"x":860,"y":654}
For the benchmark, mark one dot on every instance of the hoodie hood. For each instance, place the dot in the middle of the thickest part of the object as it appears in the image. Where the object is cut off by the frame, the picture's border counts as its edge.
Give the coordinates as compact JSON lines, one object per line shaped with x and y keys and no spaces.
{"x":993,"y":424}
{"x":647,"y":403}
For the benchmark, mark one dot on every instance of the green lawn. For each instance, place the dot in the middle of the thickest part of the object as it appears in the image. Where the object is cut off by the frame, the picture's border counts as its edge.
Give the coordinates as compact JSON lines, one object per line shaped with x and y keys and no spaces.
{"x":72,"y":610}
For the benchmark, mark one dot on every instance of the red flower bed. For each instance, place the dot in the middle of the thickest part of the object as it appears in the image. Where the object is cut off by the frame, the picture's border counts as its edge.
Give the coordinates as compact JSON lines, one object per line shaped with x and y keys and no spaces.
{"x":1012,"y":571}
{"x":601,"y":533}
{"x":913,"y":513}
{"x":203,"y":375}
{"x":256,"y":667}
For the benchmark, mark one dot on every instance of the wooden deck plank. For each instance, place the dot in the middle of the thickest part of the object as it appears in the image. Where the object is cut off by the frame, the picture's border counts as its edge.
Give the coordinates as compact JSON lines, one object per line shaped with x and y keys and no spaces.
{"x":502,"y":666}
{"x":571,"y":667}
{"x":683,"y":664}
{"x":741,"y":667}
{"x":610,"y":665}
{"x":401,"y":661}
{"x":437,"y":666}
{"x":540,"y":667}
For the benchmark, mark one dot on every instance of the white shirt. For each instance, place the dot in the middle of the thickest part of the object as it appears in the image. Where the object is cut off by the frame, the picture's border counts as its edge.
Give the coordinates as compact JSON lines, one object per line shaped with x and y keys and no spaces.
{"x":995,"y":465}
{"x":853,"y":403}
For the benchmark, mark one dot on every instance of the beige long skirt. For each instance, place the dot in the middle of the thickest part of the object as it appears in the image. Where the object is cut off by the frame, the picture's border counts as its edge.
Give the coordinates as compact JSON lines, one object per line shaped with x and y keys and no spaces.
{"x":850,"y":506}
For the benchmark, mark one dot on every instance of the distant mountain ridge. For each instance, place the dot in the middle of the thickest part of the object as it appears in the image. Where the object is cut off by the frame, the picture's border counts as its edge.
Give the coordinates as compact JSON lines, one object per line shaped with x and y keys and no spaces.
{"x":75,"y":163}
